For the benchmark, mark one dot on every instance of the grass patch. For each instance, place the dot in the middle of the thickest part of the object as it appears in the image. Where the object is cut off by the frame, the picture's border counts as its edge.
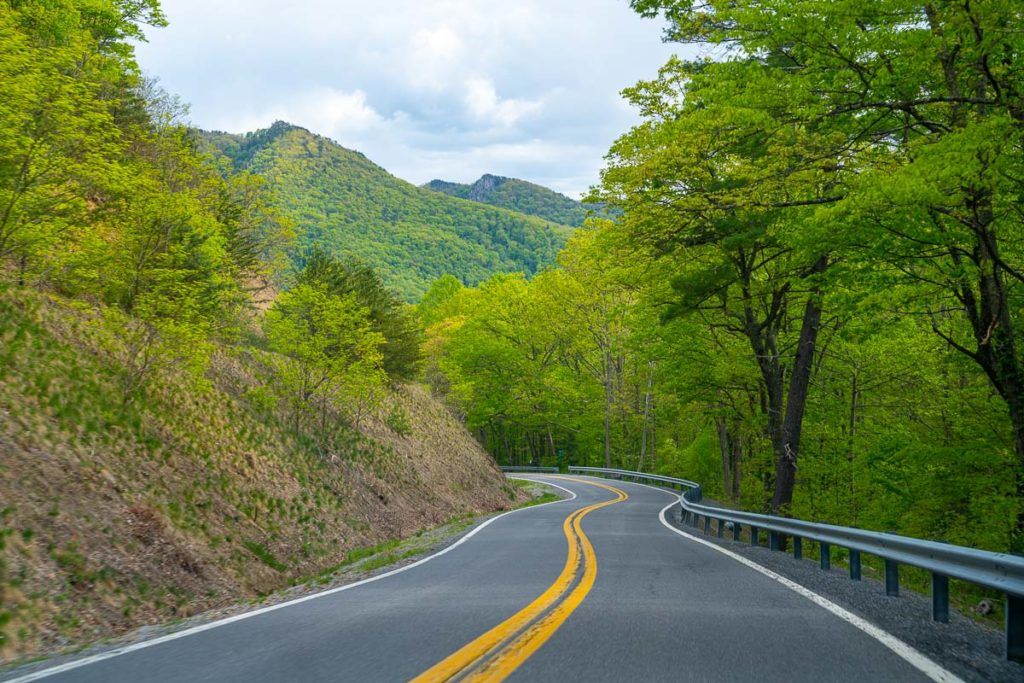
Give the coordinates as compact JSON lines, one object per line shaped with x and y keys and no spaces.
{"x":539,"y":493}
{"x":265,"y":556}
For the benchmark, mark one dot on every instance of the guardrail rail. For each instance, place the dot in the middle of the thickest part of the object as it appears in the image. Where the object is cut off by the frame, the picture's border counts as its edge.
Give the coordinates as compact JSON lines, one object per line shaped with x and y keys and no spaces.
{"x":999,"y":571}
{"x":529,"y":468}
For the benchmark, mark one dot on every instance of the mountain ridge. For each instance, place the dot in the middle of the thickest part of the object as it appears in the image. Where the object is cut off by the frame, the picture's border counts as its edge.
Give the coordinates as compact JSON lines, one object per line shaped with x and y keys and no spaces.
{"x":517,"y":195}
{"x":350,"y":206}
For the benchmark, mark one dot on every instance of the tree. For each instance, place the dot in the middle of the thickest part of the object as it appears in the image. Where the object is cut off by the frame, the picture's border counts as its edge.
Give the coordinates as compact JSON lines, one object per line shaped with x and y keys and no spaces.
{"x":389,"y":316}
{"x":924,"y":101}
{"x":724,"y":207}
{"x":333,"y":352}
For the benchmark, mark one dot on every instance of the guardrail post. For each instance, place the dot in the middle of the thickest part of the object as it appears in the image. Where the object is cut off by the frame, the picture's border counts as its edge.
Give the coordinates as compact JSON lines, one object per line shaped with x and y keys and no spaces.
{"x":736,"y":529}
{"x":707,"y":525}
{"x":940,"y":598}
{"x":721,"y":527}
{"x":826,"y":556}
{"x":773,"y":540}
{"x":753,"y":535}
{"x":854,"y":564}
{"x":1015,"y":627}
{"x":798,"y":548}
{"x":892,"y":578}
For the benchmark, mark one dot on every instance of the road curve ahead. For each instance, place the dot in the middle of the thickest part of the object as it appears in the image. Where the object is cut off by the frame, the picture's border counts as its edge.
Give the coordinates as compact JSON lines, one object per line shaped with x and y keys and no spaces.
{"x":595,"y":588}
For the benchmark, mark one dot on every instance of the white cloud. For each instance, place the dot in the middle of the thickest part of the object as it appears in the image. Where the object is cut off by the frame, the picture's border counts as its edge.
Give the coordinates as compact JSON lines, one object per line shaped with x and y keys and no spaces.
{"x":341,"y":111}
{"x":483,"y":104}
{"x":434,"y":56}
{"x":331,"y":112}
{"x":425,"y":88}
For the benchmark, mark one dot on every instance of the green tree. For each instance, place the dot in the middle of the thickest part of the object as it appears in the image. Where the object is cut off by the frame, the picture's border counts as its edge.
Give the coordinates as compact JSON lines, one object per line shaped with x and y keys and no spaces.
{"x":917,"y":109}
{"x":333,"y":354}
{"x":389,"y":315}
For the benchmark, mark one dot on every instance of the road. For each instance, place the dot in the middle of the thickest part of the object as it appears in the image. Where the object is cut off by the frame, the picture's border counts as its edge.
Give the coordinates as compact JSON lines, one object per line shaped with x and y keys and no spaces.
{"x":594,"y":588}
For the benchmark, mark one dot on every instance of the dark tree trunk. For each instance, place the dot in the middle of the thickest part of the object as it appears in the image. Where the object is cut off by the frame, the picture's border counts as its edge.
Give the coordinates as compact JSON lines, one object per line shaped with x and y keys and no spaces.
{"x":737,"y":467}
{"x":796,"y":400}
{"x":995,"y":337}
{"x":725,"y":448}
{"x":731,"y":447}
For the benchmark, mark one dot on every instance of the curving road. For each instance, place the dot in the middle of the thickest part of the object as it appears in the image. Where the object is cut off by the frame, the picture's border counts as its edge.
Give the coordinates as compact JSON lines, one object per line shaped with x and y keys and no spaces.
{"x":594,"y":588}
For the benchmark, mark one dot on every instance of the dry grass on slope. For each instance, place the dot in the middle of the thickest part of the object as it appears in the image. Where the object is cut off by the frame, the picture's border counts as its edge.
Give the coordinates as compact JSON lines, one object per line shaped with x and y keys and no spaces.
{"x":116,"y":515}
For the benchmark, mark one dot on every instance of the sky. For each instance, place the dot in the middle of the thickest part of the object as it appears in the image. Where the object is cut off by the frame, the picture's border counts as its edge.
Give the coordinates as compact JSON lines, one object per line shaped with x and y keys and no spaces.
{"x":448,"y":89}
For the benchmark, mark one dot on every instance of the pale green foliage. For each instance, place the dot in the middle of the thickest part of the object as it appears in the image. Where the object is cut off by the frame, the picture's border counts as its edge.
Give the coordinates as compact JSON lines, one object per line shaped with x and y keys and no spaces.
{"x":104,"y":197}
{"x":332,"y":356}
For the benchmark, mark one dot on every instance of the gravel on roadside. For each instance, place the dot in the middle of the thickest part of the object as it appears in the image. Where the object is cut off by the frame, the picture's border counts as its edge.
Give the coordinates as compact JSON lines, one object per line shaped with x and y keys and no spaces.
{"x":973,"y":651}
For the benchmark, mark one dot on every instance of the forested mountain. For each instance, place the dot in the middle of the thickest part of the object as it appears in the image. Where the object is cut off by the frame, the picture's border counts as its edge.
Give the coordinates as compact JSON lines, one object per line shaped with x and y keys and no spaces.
{"x":517,"y":195}
{"x":342,"y":202}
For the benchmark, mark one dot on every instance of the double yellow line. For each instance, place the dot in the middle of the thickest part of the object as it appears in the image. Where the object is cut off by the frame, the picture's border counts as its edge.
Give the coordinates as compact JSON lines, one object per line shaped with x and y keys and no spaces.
{"x":494,"y":655}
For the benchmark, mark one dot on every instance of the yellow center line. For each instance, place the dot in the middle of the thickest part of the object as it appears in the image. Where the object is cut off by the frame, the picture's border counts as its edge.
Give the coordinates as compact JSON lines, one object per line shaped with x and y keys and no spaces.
{"x":505,"y":661}
{"x":501,"y":665}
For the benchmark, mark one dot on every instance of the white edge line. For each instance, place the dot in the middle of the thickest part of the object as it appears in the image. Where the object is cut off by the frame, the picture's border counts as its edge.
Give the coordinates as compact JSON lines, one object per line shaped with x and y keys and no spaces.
{"x":117,"y":652}
{"x":914,"y":657}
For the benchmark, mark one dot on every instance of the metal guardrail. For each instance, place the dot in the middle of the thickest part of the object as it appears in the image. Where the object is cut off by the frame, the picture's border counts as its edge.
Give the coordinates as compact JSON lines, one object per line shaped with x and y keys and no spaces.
{"x":527,"y":468}
{"x":999,"y":571}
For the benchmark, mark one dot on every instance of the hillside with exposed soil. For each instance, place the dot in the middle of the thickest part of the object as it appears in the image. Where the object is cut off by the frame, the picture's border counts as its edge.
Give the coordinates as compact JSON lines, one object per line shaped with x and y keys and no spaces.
{"x":117,"y":513}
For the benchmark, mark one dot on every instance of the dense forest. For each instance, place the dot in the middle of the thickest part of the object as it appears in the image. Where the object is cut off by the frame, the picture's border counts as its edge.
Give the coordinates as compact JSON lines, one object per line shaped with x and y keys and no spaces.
{"x":812,"y":299}
{"x":350,"y":207}
{"x":517,"y":195}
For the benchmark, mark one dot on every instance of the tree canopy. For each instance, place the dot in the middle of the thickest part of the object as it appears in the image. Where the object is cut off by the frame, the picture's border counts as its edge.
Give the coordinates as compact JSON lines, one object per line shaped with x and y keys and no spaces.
{"x":808,"y":296}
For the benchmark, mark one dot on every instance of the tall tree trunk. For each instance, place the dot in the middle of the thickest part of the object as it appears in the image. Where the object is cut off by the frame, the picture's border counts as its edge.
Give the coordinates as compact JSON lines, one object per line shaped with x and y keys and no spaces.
{"x":647,"y":412}
{"x":607,"y":435}
{"x":737,"y":467}
{"x":654,"y":436}
{"x":609,"y":389}
{"x":730,"y":445}
{"x":796,"y":400}
{"x":997,"y":351}
{"x":551,"y":447}
{"x":725,"y":448}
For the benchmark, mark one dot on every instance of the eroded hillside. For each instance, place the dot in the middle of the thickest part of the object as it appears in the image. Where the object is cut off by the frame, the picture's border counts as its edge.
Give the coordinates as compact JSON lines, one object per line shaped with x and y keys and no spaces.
{"x":118,"y":511}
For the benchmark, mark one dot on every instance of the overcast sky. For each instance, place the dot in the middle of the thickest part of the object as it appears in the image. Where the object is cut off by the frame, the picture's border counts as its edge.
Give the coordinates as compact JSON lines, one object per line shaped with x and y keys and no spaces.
{"x":446,"y":89}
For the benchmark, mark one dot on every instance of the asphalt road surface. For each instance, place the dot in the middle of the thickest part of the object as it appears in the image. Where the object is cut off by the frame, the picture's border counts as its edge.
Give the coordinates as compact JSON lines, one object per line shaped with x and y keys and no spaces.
{"x":593,"y":588}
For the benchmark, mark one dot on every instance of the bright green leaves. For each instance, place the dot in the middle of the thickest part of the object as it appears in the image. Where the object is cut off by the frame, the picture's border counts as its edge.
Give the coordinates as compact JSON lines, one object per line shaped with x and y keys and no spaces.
{"x":389,"y":316}
{"x":104,"y":197}
{"x":58,"y":148}
{"x":330,"y":354}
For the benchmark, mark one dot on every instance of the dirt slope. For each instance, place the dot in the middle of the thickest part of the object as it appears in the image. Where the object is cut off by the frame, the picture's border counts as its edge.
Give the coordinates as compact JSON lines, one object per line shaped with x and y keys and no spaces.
{"x":114,"y":514}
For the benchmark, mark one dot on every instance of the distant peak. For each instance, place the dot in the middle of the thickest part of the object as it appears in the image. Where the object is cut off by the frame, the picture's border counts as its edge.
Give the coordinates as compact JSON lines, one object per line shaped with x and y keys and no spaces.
{"x":489,"y":182}
{"x":516,"y":195}
{"x":280,"y":128}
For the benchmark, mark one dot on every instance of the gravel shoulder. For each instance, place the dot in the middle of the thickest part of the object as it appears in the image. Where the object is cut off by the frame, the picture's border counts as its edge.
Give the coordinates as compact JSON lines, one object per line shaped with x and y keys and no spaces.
{"x":966,"y":648}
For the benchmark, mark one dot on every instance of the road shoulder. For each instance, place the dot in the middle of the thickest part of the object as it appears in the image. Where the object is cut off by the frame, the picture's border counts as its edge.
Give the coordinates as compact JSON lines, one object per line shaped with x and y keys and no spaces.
{"x":968,"y":649}
{"x":364,"y":565}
